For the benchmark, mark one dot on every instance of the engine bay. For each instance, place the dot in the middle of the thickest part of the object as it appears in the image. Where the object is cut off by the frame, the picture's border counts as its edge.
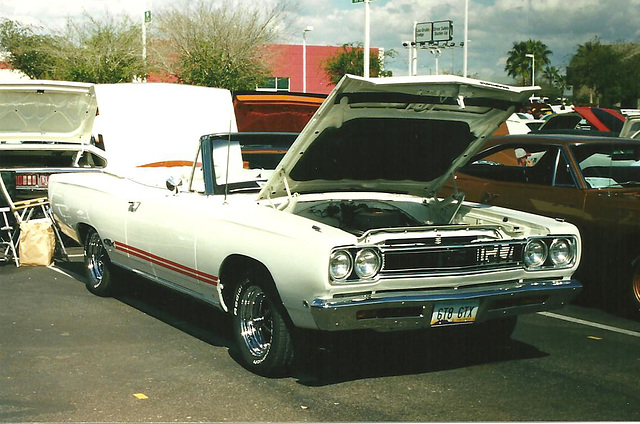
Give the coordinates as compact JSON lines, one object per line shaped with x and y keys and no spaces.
{"x":360,"y":216}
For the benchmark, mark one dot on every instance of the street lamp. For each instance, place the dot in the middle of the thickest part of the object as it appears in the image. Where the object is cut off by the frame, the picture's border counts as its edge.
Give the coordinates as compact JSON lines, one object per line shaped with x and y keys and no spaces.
{"x":304,"y":58}
{"x":436,"y":52}
{"x":409,"y":46}
{"x":533,"y":68}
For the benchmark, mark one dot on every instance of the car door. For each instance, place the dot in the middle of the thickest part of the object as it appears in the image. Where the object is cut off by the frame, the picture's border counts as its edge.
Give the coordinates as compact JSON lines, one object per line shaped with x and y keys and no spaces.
{"x":163,"y":231}
{"x":536,"y":179}
{"x":139,"y":231}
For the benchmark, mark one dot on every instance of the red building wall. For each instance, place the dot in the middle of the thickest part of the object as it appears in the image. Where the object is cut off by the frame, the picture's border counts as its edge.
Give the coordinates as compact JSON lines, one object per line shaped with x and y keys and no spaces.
{"x":288,"y":63}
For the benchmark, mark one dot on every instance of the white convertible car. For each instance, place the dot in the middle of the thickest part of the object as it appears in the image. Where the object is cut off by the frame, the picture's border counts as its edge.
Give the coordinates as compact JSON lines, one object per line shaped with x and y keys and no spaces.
{"x":347,"y":233}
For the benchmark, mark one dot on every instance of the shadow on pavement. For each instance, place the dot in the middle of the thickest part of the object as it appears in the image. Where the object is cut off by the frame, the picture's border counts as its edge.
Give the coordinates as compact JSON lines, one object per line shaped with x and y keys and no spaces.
{"x":357,"y":356}
{"x":185,"y":313}
{"x":325,"y":359}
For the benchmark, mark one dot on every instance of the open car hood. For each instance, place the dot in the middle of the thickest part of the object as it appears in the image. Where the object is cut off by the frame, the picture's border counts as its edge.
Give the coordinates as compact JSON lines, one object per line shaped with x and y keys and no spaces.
{"x":281,"y":111}
{"x":599,"y":119}
{"x":401,"y":134}
{"x":47,"y":111}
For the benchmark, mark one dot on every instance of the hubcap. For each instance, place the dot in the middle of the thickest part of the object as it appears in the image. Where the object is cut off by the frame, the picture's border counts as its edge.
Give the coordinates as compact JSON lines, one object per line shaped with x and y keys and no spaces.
{"x":256,"y":325}
{"x":95,"y":255}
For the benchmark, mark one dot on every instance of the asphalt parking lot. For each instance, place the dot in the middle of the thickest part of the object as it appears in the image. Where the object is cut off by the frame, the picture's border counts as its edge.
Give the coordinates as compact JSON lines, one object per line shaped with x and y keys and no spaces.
{"x":152,"y":355}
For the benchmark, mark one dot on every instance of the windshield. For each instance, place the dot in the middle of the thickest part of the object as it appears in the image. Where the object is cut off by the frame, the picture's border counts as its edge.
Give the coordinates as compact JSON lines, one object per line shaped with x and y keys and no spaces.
{"x":241,"y":161}
{"x":609,"y":165}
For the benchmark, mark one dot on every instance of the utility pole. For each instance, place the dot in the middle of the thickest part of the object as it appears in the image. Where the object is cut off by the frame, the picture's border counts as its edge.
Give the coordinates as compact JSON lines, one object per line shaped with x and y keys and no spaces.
{"x":304,"y":57}
{"x":466,"y":37}
{"x":367,"y":35}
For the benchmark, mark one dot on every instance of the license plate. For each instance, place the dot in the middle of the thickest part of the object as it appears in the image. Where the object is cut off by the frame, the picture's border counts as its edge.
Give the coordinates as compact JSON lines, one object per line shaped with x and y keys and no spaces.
{"x":457,"y":312}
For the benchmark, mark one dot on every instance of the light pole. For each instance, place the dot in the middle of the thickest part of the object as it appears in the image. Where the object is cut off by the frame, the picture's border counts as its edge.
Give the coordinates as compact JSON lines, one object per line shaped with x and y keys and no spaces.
{"x":533,"y":68}
{"x":304,"y":57}
{"x":436,"y":52}
{"x":367,"y":36}
{"x":409,"y":46}
{"x":466,"y":38}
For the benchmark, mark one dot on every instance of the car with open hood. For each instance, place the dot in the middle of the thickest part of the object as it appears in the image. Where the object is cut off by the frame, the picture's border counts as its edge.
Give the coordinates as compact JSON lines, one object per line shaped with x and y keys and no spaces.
{"x":594,"y":120}
{"x":346,"y":233}
{"x":45,"y":128}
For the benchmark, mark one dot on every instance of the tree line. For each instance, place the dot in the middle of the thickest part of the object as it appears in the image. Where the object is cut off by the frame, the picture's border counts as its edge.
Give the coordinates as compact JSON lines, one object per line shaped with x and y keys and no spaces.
{"x":600,"y":74}
{"x":200,"y":44}
{"x":207,"y":44}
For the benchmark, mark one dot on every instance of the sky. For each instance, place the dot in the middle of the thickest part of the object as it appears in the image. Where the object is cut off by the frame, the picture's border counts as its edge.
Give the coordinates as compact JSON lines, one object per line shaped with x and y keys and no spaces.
{"x":494,"y":25}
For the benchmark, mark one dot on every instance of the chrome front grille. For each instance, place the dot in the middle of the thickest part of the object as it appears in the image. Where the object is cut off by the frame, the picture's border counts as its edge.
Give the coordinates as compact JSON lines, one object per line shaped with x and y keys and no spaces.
{"x":446,"y":256}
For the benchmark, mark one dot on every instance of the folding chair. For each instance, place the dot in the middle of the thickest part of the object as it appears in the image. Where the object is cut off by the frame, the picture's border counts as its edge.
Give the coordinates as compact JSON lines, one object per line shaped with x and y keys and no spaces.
{"x":25,"y":210}
{"x":6,"y":237}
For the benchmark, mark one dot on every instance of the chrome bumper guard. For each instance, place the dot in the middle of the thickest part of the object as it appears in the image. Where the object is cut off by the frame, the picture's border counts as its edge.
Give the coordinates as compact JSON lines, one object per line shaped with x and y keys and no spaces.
{"x":392,"y":311}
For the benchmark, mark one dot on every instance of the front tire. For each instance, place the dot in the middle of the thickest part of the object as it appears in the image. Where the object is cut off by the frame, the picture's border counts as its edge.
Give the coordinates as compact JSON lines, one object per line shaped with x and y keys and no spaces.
{"x":261,"y":332}
{"x":97,"y":265}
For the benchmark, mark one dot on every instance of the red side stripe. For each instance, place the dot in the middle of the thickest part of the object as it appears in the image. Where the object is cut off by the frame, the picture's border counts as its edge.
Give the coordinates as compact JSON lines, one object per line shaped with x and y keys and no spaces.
{"x":165,"y":263}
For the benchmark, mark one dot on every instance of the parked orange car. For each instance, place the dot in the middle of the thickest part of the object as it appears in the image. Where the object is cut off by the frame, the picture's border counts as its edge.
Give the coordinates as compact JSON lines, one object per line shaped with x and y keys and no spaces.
{"x":592,"y":182}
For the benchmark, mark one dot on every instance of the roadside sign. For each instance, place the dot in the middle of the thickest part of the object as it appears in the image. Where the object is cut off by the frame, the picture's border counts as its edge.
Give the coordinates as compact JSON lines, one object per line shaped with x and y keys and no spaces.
{"x":424,"y":32}
{"x":442,"y":31}
{"x":147,"y":16}
{"x":434,"y":32}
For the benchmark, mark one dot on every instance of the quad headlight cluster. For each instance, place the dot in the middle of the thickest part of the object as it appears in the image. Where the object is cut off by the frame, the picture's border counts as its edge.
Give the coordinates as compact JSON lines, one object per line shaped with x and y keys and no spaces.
{"x":354,"y":264}
{"x":549,"y":253}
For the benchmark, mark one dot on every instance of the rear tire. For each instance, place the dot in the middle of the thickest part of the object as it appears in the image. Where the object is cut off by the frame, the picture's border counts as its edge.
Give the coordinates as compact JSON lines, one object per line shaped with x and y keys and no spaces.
{"x":97,"y":266}
{"x":260,"y":330}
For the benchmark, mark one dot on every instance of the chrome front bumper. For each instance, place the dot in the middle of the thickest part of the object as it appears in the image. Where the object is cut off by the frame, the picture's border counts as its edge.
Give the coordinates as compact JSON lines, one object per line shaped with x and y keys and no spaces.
{"x":393,"y":311}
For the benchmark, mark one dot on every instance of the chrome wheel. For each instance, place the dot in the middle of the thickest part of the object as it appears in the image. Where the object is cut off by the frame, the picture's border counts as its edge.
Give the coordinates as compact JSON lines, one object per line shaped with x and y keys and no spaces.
{"x":260,"y":328}
{"x":96,"y":263}
{"x":256,"y":323}
{"x":95,"y":259}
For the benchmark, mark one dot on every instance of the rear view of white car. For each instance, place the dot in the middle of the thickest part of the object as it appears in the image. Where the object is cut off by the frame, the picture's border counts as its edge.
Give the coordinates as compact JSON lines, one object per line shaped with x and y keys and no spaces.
{"x":45,"y":128}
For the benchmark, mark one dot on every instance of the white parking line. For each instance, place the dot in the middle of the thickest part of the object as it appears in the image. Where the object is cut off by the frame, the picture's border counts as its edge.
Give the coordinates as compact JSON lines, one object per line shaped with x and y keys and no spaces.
{"x":591,"y":324}
{"x":63,"y":272}
{"x":60,"y":271}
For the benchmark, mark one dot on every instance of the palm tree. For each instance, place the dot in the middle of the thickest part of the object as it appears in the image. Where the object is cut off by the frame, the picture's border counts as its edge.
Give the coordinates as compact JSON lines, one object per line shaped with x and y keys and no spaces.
{"x":519,"y":65}
{"x":551,"y":74}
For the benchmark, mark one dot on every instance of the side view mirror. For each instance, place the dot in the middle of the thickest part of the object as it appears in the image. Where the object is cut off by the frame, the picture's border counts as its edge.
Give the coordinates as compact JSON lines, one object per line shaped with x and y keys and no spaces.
{"x":173,"y":183}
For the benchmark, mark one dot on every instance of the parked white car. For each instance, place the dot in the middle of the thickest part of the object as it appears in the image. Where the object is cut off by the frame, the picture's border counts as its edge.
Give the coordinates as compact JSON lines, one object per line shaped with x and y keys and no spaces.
{"x":347,"y":233}
{"x":48,"y":127}
{"x":45,"y":128}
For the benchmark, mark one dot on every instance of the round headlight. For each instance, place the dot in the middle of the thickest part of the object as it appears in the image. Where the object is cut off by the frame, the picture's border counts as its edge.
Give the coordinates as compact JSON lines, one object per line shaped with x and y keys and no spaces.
{"x":561,"y":252}
{"x":535,"y":253}
{"x":367,"y":263}
{"x":340,"y":265}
